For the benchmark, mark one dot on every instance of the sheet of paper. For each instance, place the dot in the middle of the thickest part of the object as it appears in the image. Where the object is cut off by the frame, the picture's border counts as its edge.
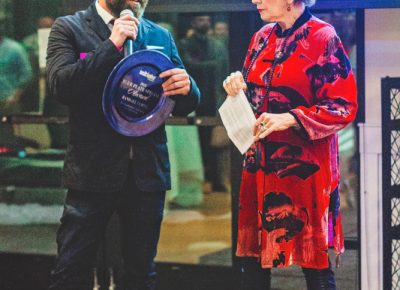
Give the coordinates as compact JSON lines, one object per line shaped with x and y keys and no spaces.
{"x":238,"y":119}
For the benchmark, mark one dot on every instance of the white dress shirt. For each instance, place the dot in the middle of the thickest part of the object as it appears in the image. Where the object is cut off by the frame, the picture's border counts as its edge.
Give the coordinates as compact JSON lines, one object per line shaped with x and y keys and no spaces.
{"x":105,"y":15}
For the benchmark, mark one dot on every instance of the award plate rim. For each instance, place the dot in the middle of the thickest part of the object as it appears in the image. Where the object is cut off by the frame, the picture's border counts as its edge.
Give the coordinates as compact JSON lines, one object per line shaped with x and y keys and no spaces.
{"x":141,"y":126}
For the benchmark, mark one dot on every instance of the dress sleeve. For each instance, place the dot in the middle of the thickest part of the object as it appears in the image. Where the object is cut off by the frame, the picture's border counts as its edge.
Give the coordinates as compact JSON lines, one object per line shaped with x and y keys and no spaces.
{"x":334,"y":89}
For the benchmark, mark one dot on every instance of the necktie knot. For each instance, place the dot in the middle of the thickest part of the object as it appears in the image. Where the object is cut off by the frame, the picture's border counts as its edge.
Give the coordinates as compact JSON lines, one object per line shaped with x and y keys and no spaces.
{"x":111,"y":24}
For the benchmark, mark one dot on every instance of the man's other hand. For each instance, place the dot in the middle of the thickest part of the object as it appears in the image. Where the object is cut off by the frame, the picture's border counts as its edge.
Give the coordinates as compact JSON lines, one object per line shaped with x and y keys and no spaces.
{"x":177,"y":83}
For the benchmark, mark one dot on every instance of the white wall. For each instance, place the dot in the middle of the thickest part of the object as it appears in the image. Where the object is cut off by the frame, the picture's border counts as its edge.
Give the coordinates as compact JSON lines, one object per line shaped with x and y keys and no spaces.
{"x":382,"y":58}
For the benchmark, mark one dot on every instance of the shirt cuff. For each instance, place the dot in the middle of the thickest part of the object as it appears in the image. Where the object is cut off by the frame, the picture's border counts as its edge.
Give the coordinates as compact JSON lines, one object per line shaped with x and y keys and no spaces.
{"x":119,"y":49}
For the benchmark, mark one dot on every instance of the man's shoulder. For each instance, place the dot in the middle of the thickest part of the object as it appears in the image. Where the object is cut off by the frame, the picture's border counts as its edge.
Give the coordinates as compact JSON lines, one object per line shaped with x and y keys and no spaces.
{"x":215,"y":41}
{"x":190,"y":41}
{"x":13,"y":46}
{"x":74,"y":18}
{"x":10,"y":42}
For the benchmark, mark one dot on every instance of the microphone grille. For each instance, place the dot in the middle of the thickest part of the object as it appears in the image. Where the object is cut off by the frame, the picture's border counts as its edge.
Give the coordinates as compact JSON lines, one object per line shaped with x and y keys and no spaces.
{"x":126,"y":12}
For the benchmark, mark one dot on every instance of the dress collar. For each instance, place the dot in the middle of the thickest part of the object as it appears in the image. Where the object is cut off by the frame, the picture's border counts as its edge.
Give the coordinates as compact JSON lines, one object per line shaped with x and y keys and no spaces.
{"x":299,"y":22}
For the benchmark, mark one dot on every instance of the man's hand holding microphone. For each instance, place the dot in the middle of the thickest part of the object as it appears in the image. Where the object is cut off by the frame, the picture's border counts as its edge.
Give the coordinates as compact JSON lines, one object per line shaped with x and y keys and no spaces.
{"x":125,"y":31}
{"x":125,"y":28}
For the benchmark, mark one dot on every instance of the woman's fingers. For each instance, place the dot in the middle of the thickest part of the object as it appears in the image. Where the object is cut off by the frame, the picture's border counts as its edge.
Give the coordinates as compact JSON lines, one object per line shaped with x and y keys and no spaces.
{"x":234,"y":83}
{"x":268,"y":123}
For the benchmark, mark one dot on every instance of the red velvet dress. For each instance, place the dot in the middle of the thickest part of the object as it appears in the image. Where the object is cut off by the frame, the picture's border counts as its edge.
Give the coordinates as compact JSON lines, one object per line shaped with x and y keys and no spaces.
{"x":289,"y":197}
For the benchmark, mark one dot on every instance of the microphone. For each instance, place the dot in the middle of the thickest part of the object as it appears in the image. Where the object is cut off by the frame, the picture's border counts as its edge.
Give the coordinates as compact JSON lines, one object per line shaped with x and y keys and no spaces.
{"x":128,"y":45}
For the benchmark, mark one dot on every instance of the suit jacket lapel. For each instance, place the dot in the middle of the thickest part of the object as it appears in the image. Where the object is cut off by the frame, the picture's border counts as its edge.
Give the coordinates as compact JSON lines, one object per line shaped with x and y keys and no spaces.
{"x":96,"y":23}
{"x":101,"y":29}
{"x":141,"y":39}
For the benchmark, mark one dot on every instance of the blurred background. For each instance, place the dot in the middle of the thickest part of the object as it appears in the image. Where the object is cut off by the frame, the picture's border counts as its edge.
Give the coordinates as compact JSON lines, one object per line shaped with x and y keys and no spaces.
{"x":199,"y":229}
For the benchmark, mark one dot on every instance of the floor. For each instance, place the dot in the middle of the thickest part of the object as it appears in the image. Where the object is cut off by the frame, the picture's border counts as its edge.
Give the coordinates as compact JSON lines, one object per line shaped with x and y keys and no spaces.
{"x":190,"y":235}
{"x":199,"y":236}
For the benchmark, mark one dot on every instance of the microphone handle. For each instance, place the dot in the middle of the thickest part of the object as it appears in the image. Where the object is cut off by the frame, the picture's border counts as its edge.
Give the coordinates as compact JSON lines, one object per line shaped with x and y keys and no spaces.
{"x":128,"y":47}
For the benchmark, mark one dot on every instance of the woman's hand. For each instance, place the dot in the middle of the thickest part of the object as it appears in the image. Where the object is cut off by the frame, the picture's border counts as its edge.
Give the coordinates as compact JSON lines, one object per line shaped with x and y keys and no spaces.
{"x":268,"y":123}
{"x":234,"y":83}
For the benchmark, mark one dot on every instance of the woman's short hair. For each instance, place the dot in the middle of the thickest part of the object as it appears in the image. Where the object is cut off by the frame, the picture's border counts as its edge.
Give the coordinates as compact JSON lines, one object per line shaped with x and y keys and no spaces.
{"x":308,"y":3}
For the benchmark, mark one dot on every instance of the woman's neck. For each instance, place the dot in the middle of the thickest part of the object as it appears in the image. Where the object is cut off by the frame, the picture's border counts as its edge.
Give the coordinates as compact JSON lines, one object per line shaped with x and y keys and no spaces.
{"x":291,"y":17}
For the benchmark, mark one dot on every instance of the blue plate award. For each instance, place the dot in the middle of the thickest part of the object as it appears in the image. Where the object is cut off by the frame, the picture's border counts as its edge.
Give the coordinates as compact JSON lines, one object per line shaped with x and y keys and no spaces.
{"x":133,"y":99}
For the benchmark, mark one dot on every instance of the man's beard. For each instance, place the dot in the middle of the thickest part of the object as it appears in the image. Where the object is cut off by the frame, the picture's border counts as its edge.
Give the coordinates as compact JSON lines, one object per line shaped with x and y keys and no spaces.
{"x":202,"y":30}
{"x":116,"y":6}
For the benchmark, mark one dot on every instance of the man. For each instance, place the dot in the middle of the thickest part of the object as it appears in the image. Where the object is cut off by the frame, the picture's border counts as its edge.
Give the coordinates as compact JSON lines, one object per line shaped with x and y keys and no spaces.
{"x":104,"y":171}
{"x":206,"y":59}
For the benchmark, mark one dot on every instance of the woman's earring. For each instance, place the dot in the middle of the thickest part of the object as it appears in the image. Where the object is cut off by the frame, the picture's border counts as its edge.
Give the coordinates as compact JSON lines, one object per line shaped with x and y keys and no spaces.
{"x":289,"y":8}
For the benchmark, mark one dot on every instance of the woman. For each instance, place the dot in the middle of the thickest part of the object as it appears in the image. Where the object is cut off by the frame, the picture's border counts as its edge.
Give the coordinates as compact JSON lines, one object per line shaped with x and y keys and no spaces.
{"x":300,"y":85}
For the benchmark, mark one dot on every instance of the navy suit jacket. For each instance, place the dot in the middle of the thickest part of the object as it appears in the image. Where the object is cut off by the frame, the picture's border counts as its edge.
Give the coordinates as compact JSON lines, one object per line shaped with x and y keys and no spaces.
{"x":80,"y":57}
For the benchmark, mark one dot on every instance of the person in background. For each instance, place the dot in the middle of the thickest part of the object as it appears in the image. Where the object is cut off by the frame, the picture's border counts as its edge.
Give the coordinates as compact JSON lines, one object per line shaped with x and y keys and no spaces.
{"x":221,"y":32}
{"x":206,"y":59}
{"x":15,"y":74}
{"x":219,"y":138}
{"x":106,"y":172}
{"x":300,"y":85}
